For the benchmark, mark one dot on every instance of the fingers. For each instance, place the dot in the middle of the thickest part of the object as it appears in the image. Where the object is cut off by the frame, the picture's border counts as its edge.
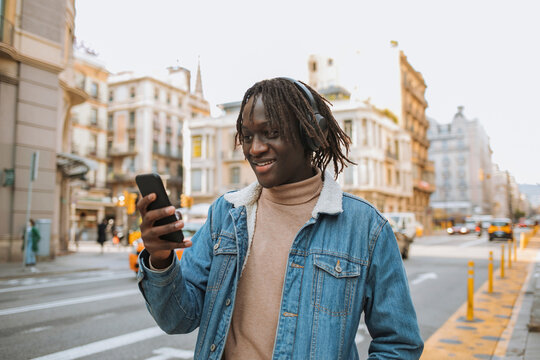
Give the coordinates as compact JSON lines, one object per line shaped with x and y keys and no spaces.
{"x":143,"y":203}
{"x":157,"y":231}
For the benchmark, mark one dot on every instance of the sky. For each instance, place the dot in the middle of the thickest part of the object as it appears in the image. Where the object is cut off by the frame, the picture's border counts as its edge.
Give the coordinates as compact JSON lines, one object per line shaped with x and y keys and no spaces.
{"x":479,"y":54}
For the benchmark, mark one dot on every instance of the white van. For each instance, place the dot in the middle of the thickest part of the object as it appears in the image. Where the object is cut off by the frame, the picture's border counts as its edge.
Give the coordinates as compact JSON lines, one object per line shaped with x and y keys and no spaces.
{"x":405,"y":222}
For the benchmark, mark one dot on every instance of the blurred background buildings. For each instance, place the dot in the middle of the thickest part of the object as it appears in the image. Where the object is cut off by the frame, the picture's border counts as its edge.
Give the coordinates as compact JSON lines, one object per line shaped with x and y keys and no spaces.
{"x":95,"y":131}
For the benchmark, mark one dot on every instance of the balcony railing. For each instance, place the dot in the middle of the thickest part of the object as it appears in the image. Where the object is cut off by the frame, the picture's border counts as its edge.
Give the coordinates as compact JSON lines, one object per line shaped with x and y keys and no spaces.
{"x":6,"y":31}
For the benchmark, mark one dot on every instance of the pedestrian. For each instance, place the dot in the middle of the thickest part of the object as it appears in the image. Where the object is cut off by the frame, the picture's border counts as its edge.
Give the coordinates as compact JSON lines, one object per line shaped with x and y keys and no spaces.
{"x":285,"y":267}
{"x":101,"y":230}
{"x":31,"y":243}
{"x":79,"y":231}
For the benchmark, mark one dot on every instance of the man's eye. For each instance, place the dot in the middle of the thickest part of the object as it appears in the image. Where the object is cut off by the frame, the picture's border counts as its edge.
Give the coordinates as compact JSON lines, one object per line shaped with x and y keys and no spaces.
{"x":273,"y":134}
{"x":248,"y":138}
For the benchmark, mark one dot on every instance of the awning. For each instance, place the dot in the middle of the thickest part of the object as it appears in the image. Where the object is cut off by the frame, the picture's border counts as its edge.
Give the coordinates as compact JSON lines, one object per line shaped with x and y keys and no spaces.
{"x":73,"y":165}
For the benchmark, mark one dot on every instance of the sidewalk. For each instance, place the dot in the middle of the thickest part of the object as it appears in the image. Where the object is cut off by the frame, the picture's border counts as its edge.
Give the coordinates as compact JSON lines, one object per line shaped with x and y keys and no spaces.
{"x":83,"y":259}
{"x":506,"y":321}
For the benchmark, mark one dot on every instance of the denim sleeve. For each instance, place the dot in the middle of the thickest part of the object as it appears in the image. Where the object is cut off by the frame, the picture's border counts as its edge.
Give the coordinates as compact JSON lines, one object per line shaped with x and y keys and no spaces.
{"x":175,"y":297}
{"x":389,"y":312}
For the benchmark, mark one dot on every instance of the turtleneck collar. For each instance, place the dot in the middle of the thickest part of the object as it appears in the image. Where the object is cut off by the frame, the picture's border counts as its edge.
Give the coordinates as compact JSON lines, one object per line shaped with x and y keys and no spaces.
{"x":296,"y":193}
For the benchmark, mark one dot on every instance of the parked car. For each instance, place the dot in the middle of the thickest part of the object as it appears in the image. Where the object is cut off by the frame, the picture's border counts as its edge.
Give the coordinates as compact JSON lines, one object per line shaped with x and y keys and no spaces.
{"x":461,"y":229}
{"x":402,"y":240}
{"x":405,"y":222}
{"x":501,"y":228}
{"x":190,"y":228}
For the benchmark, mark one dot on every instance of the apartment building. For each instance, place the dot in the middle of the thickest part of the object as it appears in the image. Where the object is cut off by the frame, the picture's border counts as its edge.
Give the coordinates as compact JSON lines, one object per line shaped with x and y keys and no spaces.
{"x":382,"y":152}
{"x":37,"y":90}
{"x":147,"y":118}
{"x":91,"y":200}
{"x":384,"y":78}
{"x":506,"y":197}
{"x":215,"y":165}
{"x":461,"y":153}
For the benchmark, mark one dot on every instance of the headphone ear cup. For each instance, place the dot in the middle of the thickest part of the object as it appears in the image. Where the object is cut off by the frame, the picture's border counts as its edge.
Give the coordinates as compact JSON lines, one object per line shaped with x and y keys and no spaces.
{"x":313,"y":144}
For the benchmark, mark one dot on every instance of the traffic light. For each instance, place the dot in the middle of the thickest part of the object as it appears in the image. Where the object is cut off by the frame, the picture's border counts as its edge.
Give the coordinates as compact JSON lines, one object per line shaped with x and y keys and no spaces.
{"x":131,"y":203}
{"x":183,"y":200}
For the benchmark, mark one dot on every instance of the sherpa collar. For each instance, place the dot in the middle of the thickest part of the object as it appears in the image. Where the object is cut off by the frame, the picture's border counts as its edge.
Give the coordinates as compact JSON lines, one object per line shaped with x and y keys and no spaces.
{"x":329,"y":201}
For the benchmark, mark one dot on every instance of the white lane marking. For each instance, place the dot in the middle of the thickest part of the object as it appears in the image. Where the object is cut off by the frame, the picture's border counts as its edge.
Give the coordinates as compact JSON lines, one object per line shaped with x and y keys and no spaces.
{"x":166,"y":353}
{"x":73,"y":301}
{"x":38,"y":329}
{"x":104,"y":345}
{"x":472,"y":243}
{"x":66,"y":282}
{"x":424,"y":277}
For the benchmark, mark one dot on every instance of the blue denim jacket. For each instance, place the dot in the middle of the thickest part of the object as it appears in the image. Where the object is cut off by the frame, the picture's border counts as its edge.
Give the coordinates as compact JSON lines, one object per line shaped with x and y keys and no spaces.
{"x":343,"y":261}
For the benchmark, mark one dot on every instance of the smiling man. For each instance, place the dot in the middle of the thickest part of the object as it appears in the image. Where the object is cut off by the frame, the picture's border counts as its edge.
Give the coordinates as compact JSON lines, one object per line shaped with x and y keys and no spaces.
{"x":284,"y":268}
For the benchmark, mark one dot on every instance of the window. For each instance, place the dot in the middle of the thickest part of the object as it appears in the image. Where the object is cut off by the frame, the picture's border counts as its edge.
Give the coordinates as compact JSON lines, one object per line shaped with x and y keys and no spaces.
{"x":156,"y":93}
{"x":235,"y":175}
{"x":167,"y":168}
{"x":94,"y":89}
{"x":168,"y":98}
{"x":196,"y":180}
{"x":155,"y":147}
{"x":110,"y":122}
{"x":196,"y":146}
{"x":349,"y":175}
{"x":154,"y":165}
{"x":347,"y":127}
{"x":132,"y":119}
{"x":131,"y":164}
{"x":131,"y":144}
{"x":110,"y":168}
{"x":111,"y":96}
{"x":364,"y":132}
{"x":179,"y":170}
{"x":109,"y":146}
{"x":93,"y":116}
{"x":132,"y":92}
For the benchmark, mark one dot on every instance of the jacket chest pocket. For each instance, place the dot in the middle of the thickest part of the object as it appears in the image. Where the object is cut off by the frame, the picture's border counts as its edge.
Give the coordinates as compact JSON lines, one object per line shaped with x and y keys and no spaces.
{"x":335,"y":282}
{"x":225,"y":253}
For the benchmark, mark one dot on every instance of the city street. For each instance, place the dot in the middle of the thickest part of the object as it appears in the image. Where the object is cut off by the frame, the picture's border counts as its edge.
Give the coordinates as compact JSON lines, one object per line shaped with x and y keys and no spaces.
{"x":93,"y":309}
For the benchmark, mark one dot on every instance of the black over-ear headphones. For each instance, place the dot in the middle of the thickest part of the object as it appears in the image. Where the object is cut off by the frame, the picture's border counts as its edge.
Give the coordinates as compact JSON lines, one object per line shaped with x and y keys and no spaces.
{"x":312,"y":143}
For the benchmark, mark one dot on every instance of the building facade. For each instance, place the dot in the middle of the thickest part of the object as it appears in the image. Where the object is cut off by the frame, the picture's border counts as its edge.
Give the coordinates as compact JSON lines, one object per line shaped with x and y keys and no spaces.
{"x":90,"y":199}
{"x":384,"y":78}
{"x":215,"y":165}
{"x":461,"y":153}
{"x":147,"y":118}
{"x":382,"y":152}
{"x":37,"y":90}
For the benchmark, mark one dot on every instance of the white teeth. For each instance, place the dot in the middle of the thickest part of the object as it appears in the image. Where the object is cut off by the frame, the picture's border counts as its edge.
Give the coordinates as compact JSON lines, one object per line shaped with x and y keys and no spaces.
{"x":264,"y":163}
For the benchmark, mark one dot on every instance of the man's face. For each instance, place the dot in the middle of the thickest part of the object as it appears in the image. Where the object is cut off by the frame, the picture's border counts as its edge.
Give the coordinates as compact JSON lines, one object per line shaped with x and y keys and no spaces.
{"x":274,"y":160}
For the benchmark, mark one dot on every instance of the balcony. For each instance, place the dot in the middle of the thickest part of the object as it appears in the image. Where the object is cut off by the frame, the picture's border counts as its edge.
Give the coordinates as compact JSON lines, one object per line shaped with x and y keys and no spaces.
{"x":391,"y":156}
{"x":115,"y":152}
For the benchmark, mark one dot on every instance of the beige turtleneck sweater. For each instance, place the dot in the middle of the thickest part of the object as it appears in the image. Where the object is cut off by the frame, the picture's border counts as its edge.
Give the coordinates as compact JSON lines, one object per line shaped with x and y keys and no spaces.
{"x":281,"y":212}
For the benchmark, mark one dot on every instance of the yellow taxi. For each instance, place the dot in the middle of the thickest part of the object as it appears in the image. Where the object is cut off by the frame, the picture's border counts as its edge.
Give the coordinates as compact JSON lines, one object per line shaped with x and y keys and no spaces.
{"x":501,"y":228}
{"x":190,"y":228}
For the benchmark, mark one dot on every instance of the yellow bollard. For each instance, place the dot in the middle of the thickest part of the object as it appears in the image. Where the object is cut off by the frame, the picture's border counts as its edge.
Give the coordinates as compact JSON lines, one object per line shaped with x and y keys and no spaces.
{"x":515,"y":250}
{"x":522,"y":241}
{"x":502,"y":261}
{"x":509,"y":254}
{"x":470,"y":292}
{"x":490,"y":273}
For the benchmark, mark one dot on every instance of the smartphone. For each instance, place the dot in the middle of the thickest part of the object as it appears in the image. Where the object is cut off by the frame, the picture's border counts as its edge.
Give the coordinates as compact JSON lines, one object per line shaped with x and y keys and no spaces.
{"x":151,"y":183}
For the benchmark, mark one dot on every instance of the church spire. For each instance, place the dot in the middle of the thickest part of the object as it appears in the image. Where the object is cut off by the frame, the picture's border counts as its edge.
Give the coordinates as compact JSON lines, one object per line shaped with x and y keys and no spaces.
{"x":198,"y":83}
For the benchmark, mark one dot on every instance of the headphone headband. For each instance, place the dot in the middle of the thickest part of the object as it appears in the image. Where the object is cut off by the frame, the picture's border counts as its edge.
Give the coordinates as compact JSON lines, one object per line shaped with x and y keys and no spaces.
{"x":321,"y":121}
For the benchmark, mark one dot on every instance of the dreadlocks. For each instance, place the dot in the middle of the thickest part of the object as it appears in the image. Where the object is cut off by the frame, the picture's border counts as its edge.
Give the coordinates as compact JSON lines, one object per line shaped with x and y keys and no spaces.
{"x":286,"y":107}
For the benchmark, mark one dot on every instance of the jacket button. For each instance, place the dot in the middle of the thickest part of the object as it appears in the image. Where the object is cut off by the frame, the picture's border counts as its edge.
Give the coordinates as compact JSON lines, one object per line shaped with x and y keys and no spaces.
{"x":216,"y":246}
{"x":228,"y":302}
{"x":213,"y":347}
{"x":338,"y":267}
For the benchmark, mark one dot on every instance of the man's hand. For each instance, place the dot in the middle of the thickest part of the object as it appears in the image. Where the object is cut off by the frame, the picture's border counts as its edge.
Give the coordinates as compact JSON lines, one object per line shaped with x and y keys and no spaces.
{"x":161,"y":251}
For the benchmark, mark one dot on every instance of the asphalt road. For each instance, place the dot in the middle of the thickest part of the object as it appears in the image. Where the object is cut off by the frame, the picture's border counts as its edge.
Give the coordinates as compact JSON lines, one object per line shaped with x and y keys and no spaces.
{"x":101,"y":315}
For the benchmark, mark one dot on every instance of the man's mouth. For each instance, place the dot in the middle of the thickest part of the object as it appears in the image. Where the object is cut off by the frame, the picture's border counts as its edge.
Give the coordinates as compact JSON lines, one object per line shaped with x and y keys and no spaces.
{"x":262,"y":166}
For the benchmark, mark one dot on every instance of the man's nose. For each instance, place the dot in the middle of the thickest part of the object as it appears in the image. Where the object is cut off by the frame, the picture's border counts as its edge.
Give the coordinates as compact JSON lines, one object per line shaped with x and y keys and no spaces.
{"x":257,"y":146}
